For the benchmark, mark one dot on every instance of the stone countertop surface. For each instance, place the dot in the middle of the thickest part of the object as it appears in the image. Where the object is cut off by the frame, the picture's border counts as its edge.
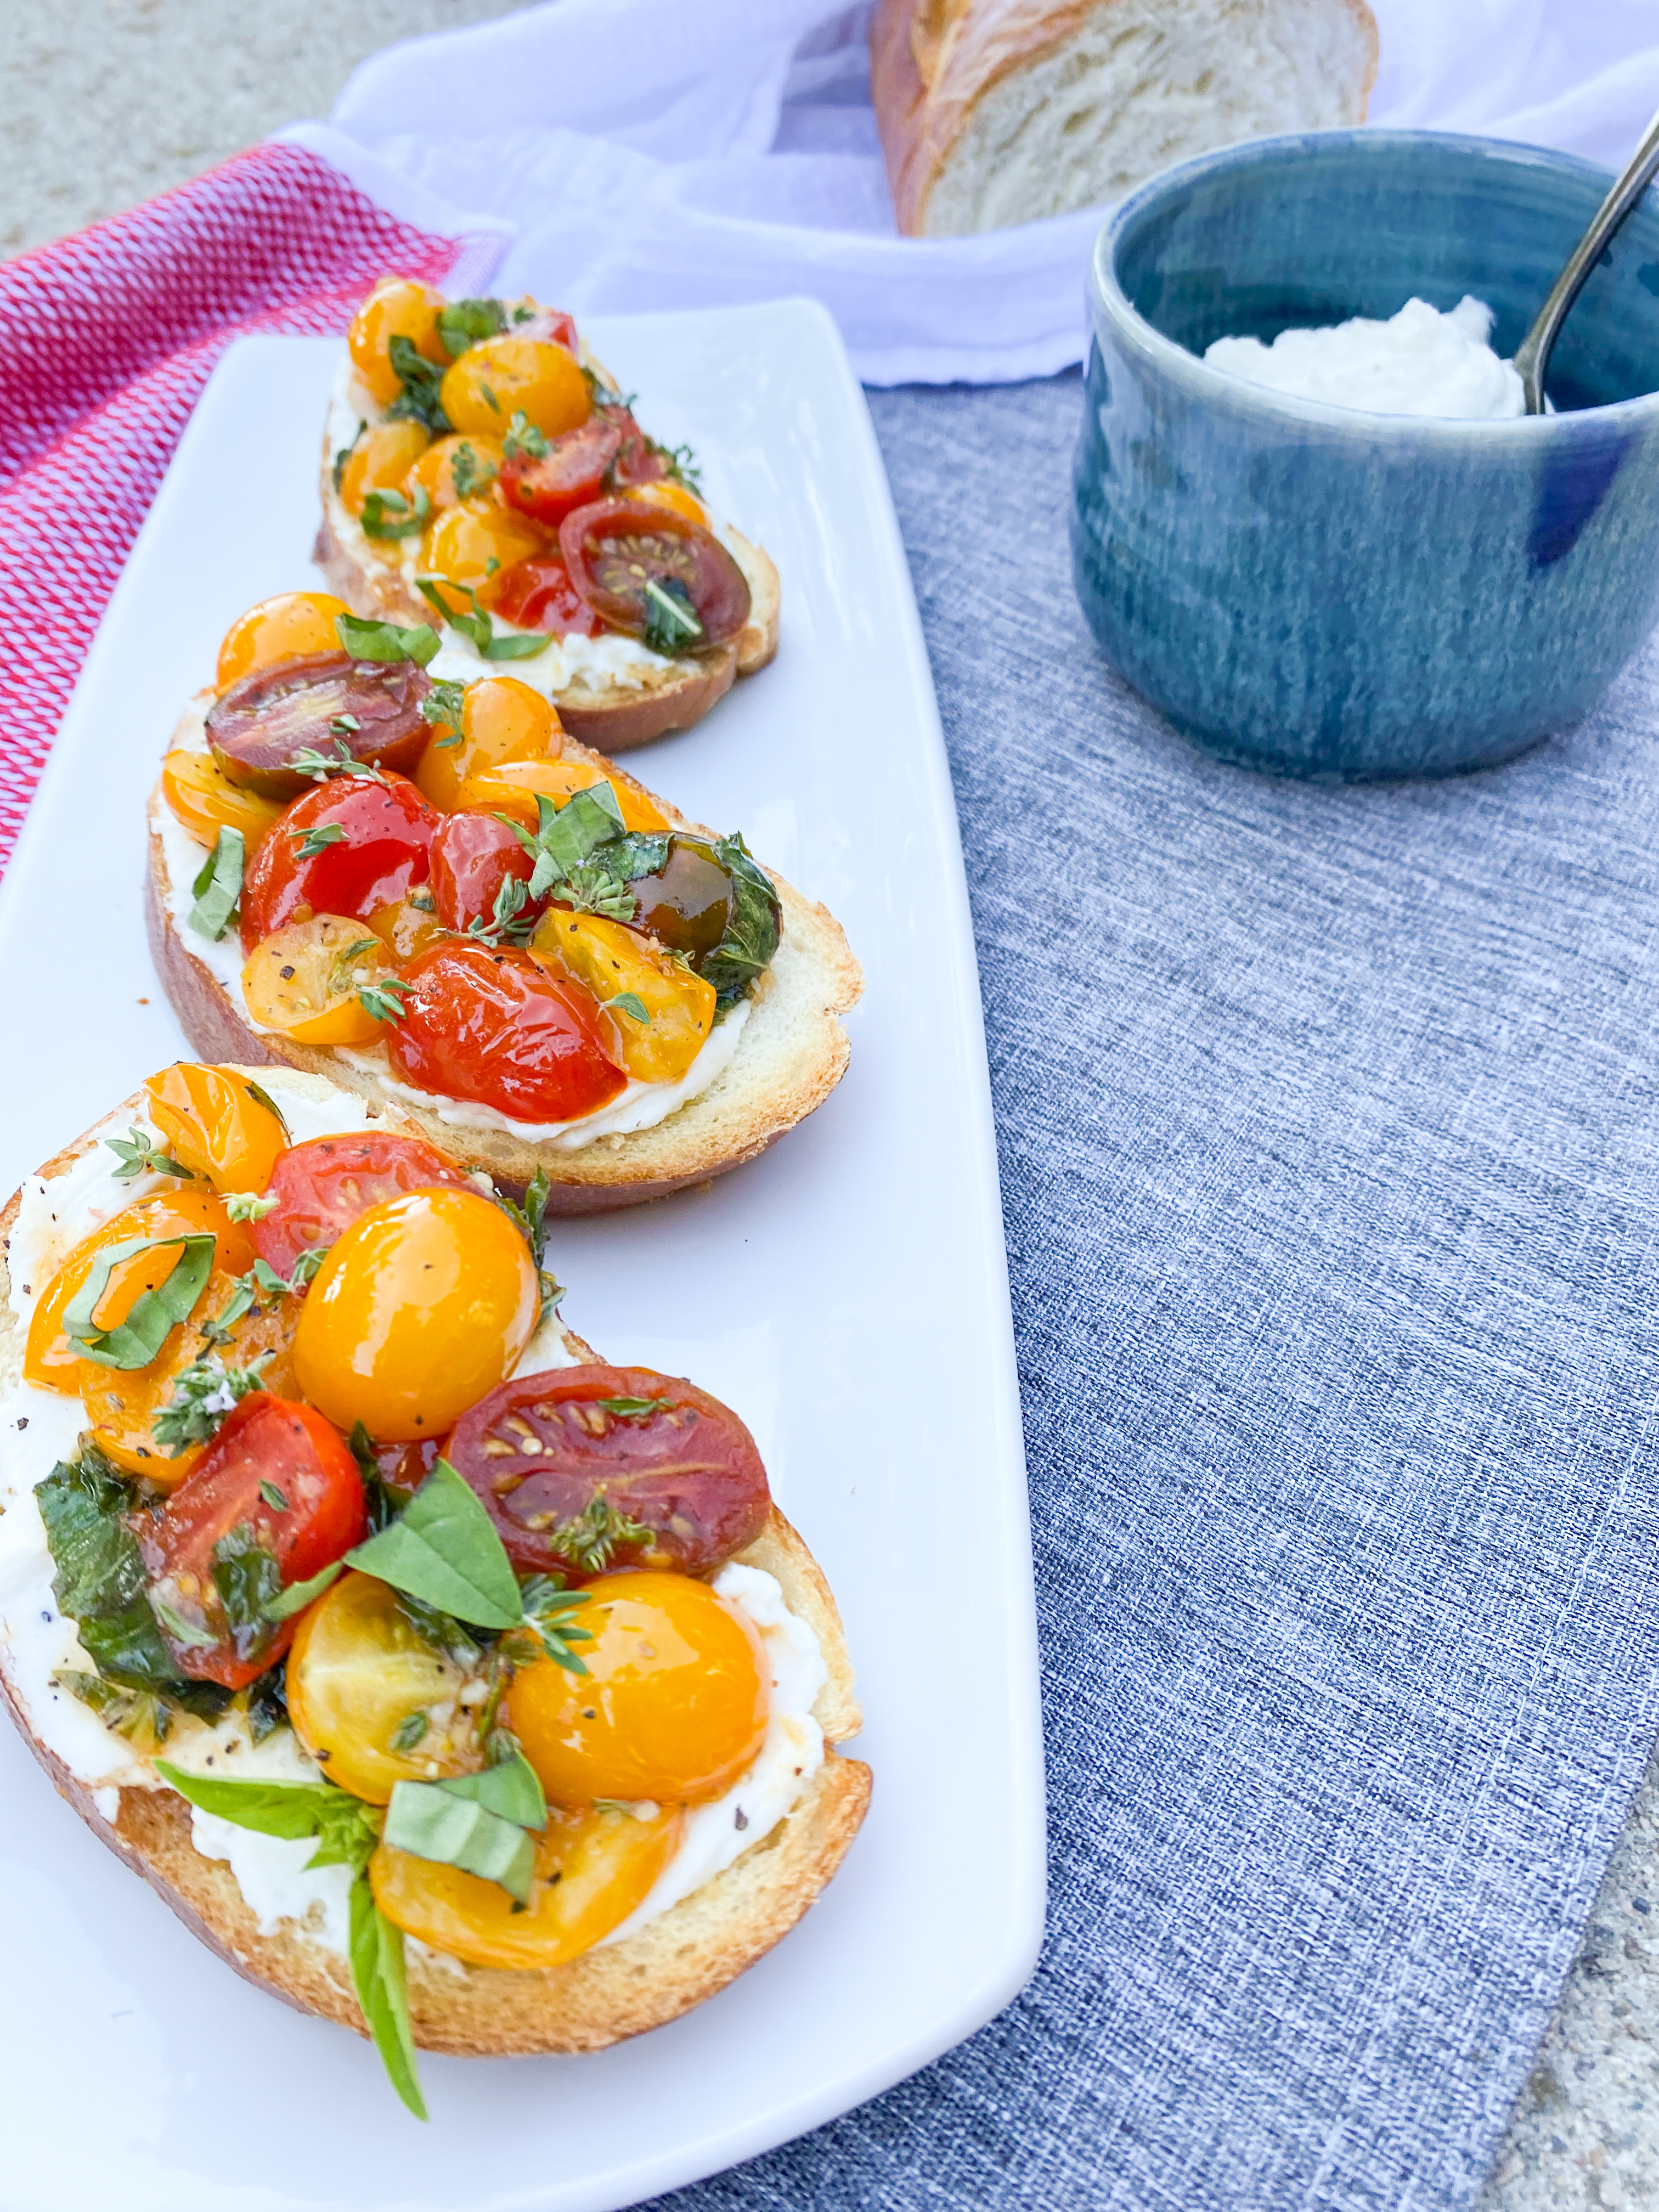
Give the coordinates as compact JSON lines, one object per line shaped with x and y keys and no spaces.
{"x":103,"y":102}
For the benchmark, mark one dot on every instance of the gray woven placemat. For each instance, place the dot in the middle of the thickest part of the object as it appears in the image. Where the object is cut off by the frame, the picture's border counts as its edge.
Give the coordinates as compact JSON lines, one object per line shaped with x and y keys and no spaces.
{"x":1331,"y":1179}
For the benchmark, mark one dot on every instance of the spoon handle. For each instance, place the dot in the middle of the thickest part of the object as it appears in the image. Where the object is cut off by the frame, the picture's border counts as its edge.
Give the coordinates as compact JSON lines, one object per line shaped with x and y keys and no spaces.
{"x":1533,"y":354}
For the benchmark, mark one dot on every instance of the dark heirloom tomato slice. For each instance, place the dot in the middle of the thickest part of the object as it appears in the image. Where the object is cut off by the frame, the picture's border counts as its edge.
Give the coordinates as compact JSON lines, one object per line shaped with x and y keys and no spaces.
{"x":616,"y":549}
{"x":557,"y":1466}
{"x":499,"y":1028}
{"x":323,"y":1185}
{"x":473,"y":856}
{"x":379,"y":855}
{"x":686,"y":904}
{"x":538,"y":594}
{"x":573,"y":472}
{"x":318,"y":701}
{"x":274,"y":1500}
{"x":638,"y":461}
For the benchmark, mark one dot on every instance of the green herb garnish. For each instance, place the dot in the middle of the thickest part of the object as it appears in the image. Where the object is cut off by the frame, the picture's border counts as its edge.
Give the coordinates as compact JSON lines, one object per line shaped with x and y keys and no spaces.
{"x":343,"y":453}
{"x":471,"y":471}
{"x":508,"y":923}
{"x":154,"y":1313}
{"x":524,"y":441}
{"x":384,"y":999}
{"x":478,"y":625}
{"x":479,"y":1822}
{"x":754,"y":922}
{"x":464,"y":323}
{"x":309,"y":843}
{"x":218,"y":885}
{"x":443,"y":1550}
{"x":247,"y":1578}
{"x":444,"y":702}
{"x":201,"y":1397}
{"x":281,"y":1604}
{"x":250,"y":1205}
{"x":549,"y":1611}
{"x":138,"y":1156}
{"x":672,"y":623}
{"x":385,"y":640}
{"x":388,"y":514}
{"x":631,"y":1004}
{"x":420,"y":400}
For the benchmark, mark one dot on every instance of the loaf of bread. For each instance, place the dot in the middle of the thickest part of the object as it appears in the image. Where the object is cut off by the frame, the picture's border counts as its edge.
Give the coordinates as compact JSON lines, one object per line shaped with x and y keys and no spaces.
{"x":1000,"y":112}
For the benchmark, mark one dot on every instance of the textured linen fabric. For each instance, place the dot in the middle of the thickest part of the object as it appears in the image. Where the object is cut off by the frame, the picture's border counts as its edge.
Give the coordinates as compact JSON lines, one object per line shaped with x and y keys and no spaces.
{"x":1327,"y":1131}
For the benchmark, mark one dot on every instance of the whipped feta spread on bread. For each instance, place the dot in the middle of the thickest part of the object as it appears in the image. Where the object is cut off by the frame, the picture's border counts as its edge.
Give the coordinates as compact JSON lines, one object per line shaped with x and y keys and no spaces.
{"x":40,"y":1427}
{"x":637,"y":1106}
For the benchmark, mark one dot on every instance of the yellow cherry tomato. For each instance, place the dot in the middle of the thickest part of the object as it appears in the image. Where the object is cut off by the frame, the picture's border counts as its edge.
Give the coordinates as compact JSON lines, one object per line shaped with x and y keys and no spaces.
{"x":212,"y":1124}
{"x":207,"y":802}
{"x":614,"y":961}
{"x":371,"y":1700}
{"x":511,"y":788}
{"x":592,"y":1869}
{"x":674,"y":496}
{"x":506,"y":376}
{"x":49,"y":1361}
{"x":122,"y":1404}
{"x":380,"y":460}
{"x":501,"y":720}
{"x":397,"y":307}
{"x":405,"y":928}
{"x":277,"y":629}
{"x":461,"y":545}
{"x":457,"y":468}
{"x":306,"y":979}
{"x":674,"y":1705}
{"x":423,"y":1305}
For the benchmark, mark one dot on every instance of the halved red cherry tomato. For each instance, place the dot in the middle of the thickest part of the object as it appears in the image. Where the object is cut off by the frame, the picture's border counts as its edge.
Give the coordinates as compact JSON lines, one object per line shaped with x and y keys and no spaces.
{"x":638,"y":461}
{"x":573,"y":472}
{"x":323,"y":1185}
{"x":276,"y":1479}
{"x":473,"y":855}
{"x":324,"y":703}
{"x":617,"y":550}
{"x":551,"y":325}
{"x":549,"y":1454}
{"x":498,"y":1029}
{"x":385,"y":829}
{"x":538,"y":594}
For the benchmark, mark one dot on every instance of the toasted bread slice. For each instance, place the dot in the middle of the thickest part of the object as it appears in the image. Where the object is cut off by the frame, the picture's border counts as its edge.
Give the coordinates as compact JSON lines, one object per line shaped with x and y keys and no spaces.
{"x":611,"y":716}
{"x":792,"y":1052}
{"x":692,"y":1951}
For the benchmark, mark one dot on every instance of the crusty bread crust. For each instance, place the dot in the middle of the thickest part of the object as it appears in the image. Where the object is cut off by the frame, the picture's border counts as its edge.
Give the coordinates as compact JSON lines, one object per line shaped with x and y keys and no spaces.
{"x":792,"y":1052}
{"x":612,"y":718}
{"x":687,"y":1954}
{"x":933,"y":61}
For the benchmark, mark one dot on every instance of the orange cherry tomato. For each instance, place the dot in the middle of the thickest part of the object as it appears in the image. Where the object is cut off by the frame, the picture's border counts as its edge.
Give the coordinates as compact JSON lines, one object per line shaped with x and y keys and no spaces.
{"x":381,"y":461}
{"x":476,"y":542}
{"x":501,"y":720}
{"x":616,"y":962}
{"x":506,"y":376}
{"x":664,"y":492}
{"x":292,"y":623}
{"x":673,"y":1703}
{"x":511,"y":788}
{"x":362,"y":1681}
{"x":423,"y":1304}
{"x":405,"y":928}
{"x":206,"y":801}
{"x":397,"y":307}
{"x":591,"y":1868}
{"x":306,"y":980}
{"x":213,"y":1124}
{"x":49,"y":1361}
{"x":122,"y":1404}
{"x":454,"y":468}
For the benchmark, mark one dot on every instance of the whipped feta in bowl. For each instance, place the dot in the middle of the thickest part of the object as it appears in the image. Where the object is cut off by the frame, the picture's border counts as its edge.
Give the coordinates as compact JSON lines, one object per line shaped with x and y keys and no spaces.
{"x":1418,"y":362}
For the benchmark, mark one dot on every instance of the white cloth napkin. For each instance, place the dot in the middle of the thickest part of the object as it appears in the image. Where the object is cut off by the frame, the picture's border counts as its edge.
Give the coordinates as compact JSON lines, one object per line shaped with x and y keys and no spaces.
{"x":640,"y":154}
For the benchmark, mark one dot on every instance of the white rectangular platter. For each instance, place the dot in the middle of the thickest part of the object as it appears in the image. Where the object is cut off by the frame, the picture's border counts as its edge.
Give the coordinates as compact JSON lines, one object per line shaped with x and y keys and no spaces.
{"x":847,"y":1294}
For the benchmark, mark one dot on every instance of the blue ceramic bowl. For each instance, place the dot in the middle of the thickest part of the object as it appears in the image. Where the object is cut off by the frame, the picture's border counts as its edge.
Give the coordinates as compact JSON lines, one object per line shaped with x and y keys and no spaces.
{"x":1322,"y":592}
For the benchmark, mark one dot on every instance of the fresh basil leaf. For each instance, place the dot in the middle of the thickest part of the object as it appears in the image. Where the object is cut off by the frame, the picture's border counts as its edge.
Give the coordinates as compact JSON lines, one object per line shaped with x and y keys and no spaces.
{"x":247,"y":1578}
{"x":443,"y":1632}
{"x":347,"y":1832}
{"x":298,"y":1595}
{"x":138,"y":1156}
{"x":137,"y":1341}
{"x":96,"y":1556}
{"x":218,"y":886}
{"x":383,"y":641}
{"x":639,"y":852}
{"x":188,"y":1635}
{"x":478,"y":625}
{"x":131,"y":1713}
{"x":421,"y":399}
{"x":754,"y":922}
{"x":343,"y":453}
{"x":508,"y":1788}
{"x":463,"y":323}
{"x":672,"y":623}
{"x":443,"y":1549}
{"x":267,"y":1703}
{"x":388,"y":514}
{"x":290,"y":1809}
{"x":378,"y":1974}
{"x":428,"y":1821}
{"x":631,"y":1409}
{"x":567,"y":835}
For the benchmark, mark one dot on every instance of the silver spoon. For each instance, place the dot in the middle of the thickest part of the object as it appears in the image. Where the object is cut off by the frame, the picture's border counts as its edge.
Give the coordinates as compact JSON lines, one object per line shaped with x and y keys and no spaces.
{"x":1533,"y":354}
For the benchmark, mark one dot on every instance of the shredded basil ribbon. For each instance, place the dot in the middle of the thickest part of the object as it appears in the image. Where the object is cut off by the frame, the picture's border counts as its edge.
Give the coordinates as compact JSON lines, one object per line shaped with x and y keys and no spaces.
{"x":478,"y":625}
{"x":443,"y":1549}
{"x":219,"y":885}
{"x":383,"y":640}
{"x":137,"y":1339}
{"x":479,"y":1822}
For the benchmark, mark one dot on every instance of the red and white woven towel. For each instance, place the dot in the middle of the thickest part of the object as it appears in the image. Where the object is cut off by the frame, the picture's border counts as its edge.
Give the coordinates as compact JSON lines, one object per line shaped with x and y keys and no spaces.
{"x":108,"y":337}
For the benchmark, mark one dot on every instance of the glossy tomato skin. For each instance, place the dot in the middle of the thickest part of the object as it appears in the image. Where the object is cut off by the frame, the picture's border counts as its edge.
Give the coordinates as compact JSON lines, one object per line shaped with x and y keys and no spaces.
{"x":613,"y":548}
{"x":320,"y":702}
{"x":323,"y":1185}
{"x":552,"y":325}
{"x":538,"y":594}
{"x":573,"y":471}
{"x":691,"y":1475}
{"x":637,"y":461}
{"x":496,"y":1028}
{"x":382,"y":854}
{"x":473,"y":856}
{"x":268,"y":1449}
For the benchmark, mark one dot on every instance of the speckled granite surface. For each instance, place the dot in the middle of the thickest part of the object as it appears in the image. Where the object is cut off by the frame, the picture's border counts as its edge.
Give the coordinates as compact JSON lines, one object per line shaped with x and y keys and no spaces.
{"x":105,"y":101}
